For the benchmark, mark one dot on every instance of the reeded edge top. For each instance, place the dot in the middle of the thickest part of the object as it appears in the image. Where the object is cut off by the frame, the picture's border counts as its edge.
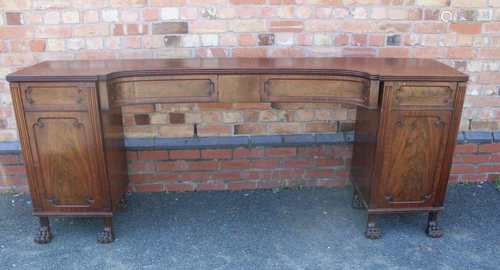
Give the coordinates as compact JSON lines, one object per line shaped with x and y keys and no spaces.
{"x":27,"y":74}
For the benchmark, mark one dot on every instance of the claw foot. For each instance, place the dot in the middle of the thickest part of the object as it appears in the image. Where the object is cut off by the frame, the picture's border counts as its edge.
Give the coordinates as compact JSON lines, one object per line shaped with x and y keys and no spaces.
{"x":372,"y":230}
{"x":373,"y":233}
{"x":44,"y":235}
{"x":356,"y":201}
{"x":433,"y":230}
{"x":123,"y":203}
{"x":105,"y":237}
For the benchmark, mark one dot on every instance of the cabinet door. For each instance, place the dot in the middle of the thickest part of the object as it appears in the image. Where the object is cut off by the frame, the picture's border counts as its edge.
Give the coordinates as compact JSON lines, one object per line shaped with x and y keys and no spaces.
{"x":65,"y":156}
{"x":415,"y":142}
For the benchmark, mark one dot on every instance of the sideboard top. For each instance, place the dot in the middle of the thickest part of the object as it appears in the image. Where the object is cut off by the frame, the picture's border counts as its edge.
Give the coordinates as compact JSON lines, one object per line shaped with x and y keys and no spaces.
{"x":370,"y":68}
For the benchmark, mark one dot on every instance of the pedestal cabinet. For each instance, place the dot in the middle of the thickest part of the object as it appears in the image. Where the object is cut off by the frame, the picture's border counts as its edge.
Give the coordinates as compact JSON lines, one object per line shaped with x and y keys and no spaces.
{"x":403,"y":158}
{"x":67,"y":149}
{"x":70,"y":124}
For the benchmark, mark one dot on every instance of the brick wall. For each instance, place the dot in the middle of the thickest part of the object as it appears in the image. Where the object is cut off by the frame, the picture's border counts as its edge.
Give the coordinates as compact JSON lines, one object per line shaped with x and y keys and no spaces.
{"x":223,"y":119}
{"x":468,"y":38}
{"x":257,"y":167}
{"x":464,"y":34}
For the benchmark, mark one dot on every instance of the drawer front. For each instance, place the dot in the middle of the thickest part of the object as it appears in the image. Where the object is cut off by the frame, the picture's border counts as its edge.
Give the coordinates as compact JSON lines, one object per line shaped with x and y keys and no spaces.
{"x":55,"y":96}
{"x":316,"y":89}
{"x":163,"y":89}
{"x":440,"y":95}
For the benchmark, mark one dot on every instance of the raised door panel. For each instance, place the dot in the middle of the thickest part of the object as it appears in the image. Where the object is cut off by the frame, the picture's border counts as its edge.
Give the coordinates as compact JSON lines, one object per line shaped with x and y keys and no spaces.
{"x":66,"y":162}
{"x":415,"y":143}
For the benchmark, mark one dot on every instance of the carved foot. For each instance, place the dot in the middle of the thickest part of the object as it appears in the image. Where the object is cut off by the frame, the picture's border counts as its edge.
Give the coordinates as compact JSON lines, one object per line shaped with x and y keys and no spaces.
{"x":372,"y":230}
{"x":123,"y":203}
{"x":106,"y":236}
{"x":433,"y":229}
{"x":44,"y":234}
{"x":357,"y":203}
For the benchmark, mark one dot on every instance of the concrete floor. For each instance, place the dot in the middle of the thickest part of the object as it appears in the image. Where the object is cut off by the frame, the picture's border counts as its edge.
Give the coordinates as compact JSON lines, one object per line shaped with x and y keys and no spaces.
{"x":290,"y":229}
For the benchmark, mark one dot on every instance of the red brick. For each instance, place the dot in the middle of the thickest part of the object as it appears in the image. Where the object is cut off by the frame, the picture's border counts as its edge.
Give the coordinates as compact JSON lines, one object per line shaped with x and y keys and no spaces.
{"x":268,"y":184}
{"x":190,"y":176}
{"x":168,"y":165}
{"x":463,"y":169}
{"x":153,"y":155}
{"x":205,"y":165}
{"x":8,"y":159}
{"x":474,"y":177}
{"x":185,"y":154}
{"x":216,"y":153}
{"x":490,"y":148}
{"x":345,"y":172}
{"x":466,"y":28}
{"x":226,"y":175}
{"x":249,"y":52}
{"x":461,"y":53}
{"x":241,"y":185}
{"x":152,"y":177}
{"x":281,"y":152}
{"x":471,"y":159}
{"x":215,"y":130}
{"x":243,"y":152}
{"x":320,"y":173}
{"x":359,"y":52}
{"x":250,"y":128}
{"x":394,"y":52}
{"x":266,"y":164}
{"x":179,"y":187}
{"x":308,"y":151}
{"x":142,"y":166}
{"x":235,"y":164}
{"x":37,"y":45}
{"x":253,"y":175}
{"x":149,"y":188}
{"x":329,"y":162}
{"x":210,"y":186}
{"x":489,"y":168}
{"x":150,"y":14}
{"x":291,"y":173}
{"x":489,"y":53}
{"x":247,"y":40}
{"x":287,"y":26}
{"x":15,"y":180}
{"x":297,"y":163}
{"x":466,"y":148}
{"x":13,"y":18}
{"x":359,"y":40}
{"x":430,"y":27}
{"x":331,"y":183}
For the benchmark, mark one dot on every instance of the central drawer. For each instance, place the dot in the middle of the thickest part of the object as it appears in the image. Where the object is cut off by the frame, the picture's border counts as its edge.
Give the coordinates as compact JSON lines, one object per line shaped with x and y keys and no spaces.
{"x":160,"y":89}
{"x":288,"y":88}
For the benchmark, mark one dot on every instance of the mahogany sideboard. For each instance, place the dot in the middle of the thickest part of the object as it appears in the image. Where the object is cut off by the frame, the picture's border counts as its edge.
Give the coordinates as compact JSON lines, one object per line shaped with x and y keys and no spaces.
{"x":70,"y":124}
